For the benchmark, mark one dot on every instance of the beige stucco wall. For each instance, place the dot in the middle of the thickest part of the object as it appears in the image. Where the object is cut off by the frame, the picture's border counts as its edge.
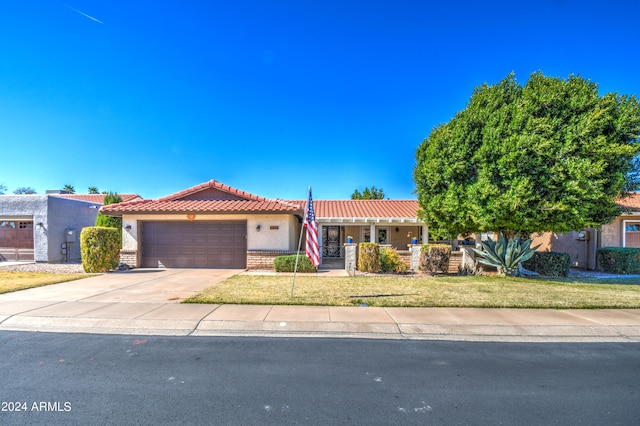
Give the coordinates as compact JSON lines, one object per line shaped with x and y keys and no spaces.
{"x":265,"y":239}
{"x":612,"y":233}
{"x":582,"y":251}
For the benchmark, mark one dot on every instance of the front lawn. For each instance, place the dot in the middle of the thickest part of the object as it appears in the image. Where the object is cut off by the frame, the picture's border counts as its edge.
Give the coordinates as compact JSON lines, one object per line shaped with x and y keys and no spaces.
{"x":424,"y":291}
{"x":14,"y":281}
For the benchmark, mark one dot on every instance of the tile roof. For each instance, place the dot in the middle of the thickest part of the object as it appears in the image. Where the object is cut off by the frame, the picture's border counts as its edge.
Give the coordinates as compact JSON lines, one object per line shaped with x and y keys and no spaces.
{"x":189,"y":201}
{"x":201,"y":206}
{"x":631,"y":203}
{"x":363,"y":209}
{"x":212,"y":184}
{"x":97,"y":198}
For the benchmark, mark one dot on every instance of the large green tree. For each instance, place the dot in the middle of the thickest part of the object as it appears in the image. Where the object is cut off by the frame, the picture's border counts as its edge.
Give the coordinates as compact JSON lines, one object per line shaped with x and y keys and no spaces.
{"x":110,"y":221}
{"x":372,"y":193}
{"x":552,"y":155}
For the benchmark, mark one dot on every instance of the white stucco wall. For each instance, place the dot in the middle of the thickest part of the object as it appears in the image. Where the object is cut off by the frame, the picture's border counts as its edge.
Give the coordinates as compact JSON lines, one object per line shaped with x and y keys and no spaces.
{"x":56,"y":214}
{"x":265,"y":239}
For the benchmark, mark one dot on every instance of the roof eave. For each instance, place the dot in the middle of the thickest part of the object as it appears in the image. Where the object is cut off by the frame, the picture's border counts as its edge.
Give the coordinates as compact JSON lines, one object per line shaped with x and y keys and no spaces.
{"x":409,"y":220}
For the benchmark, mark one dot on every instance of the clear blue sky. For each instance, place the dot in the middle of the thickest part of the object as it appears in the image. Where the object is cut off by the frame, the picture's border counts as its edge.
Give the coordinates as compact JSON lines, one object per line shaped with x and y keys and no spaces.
{"x":152,"y":97}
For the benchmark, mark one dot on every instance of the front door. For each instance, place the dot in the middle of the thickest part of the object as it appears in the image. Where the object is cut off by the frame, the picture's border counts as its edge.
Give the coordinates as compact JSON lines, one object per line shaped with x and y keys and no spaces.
{"x":330,"y":241}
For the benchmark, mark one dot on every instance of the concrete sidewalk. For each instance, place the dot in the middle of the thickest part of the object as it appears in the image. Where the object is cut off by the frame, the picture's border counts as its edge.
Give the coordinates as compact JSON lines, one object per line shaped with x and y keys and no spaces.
{"x":146,"y":303}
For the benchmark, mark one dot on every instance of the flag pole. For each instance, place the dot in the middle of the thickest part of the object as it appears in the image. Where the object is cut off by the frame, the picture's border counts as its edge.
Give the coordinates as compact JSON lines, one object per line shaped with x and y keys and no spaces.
{"x":295,"y":268}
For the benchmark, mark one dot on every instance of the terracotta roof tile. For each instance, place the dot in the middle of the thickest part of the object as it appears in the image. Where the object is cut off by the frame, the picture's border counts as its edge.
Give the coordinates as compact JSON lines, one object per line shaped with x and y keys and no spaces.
{"x":630,"y":203}
{"x":201,"y":206}
{"x":190,"y":201}
{"x":366,"y":208}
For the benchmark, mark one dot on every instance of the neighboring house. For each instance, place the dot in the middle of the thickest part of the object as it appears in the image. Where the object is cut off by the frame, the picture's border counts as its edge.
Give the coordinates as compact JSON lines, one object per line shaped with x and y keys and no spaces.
{"x":582,"y":245}
{"x":213,"y":225}
{"x":46,"y":228}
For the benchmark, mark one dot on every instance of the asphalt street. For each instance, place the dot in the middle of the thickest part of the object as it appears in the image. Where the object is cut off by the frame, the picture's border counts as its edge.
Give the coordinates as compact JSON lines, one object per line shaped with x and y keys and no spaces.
{"x":60,"y":378}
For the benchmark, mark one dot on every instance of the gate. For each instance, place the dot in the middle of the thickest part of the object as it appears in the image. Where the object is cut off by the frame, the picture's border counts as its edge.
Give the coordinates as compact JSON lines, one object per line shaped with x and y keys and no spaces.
{"x":330,"y":241}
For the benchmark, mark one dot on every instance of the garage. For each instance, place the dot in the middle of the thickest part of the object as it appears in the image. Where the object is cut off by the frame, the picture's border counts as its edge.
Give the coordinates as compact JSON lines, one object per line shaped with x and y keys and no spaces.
{"x":195,"y":244}
{"x":16,"y":240}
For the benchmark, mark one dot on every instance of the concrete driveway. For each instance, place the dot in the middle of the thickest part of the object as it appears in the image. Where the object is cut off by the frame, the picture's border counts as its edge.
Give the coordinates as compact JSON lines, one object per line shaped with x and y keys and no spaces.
{"x":134,"y":286}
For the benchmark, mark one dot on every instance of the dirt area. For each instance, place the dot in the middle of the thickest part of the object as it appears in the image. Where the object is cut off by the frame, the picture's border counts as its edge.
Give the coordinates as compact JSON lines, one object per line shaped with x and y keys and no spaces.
{"x":51,"y":268}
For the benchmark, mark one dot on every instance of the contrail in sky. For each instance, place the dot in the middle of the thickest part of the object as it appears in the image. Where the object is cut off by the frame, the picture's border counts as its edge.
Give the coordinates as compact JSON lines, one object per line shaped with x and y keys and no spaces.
{"x":82,"y":13}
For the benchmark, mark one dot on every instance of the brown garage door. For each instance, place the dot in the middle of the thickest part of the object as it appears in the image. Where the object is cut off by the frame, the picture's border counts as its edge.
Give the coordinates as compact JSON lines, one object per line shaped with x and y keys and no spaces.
{"x":198,"y":244}
{"x":16,"y":240}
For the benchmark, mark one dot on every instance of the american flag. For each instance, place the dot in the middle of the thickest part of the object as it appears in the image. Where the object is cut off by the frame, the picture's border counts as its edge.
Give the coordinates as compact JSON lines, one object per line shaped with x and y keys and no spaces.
{"x":312,"y":251}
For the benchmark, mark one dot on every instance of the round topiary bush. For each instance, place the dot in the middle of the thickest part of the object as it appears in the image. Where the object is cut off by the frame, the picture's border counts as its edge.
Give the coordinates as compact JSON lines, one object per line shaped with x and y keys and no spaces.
{"x":100,"y":248}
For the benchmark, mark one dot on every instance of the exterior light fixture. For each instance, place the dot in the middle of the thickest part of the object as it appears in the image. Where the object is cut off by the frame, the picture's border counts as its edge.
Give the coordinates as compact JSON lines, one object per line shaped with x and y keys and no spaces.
{"x":128,"y":227}
{"x":39,"y":225}
{"x":258,"y":228}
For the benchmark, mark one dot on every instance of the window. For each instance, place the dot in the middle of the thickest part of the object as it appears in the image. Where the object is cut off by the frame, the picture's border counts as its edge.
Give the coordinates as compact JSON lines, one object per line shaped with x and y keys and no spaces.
{"x":631,"y":234}
{"x":25,"y":225}
{"x":7,"y":224}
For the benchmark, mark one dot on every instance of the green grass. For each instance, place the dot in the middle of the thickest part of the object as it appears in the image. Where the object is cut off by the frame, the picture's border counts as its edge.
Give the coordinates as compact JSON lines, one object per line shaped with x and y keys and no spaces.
{"x":441,"y":291}
{"x":14,"y":281}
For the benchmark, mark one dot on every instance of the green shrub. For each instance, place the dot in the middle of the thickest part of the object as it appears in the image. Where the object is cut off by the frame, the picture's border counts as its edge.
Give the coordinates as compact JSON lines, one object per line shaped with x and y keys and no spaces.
{"x":390,"y":261}
{"x":435,"y":257}
{"x":619,"y":260}
{"x":549,"y":263}
{"x":368,"y":257}
{"x":100,"y":248}
{"x":288,"y":263}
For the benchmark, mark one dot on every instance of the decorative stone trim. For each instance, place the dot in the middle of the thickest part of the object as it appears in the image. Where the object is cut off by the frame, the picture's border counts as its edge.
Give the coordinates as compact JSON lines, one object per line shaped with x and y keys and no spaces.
{"x":351,"y":258}
{"x":263,"y":259}
{"x":129,"y":258}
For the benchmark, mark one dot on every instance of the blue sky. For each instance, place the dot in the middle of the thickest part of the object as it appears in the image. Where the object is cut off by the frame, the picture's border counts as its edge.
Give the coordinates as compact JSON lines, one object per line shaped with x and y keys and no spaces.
{"x":272,"y":96}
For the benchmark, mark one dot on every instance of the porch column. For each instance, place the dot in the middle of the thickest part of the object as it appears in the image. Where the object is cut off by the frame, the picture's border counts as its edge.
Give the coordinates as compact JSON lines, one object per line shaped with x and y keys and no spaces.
{"x":320,"y":242}
{"x":425,"y":234}
{"x":372,"y":232}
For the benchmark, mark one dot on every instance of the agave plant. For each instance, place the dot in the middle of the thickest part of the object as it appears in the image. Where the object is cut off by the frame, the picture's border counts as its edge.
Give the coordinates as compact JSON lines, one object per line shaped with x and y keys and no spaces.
{"x":505,"y":255}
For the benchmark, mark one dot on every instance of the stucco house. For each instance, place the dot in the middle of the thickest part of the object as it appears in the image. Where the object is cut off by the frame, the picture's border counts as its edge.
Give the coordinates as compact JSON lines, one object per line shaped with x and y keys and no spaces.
{"x":46,"y":228}
{"x":582,"y":245}
{"x":213,"y":225}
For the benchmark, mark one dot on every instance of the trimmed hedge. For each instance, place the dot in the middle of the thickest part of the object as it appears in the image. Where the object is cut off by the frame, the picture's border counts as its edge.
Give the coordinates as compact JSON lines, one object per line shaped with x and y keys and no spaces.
{"x":368,"y":257}
{"x":549,"y":263}
{"x":288,"y":263}
{"x":619,"y":260}
{"x":435,"y":257}
{"x":100,"y":248}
